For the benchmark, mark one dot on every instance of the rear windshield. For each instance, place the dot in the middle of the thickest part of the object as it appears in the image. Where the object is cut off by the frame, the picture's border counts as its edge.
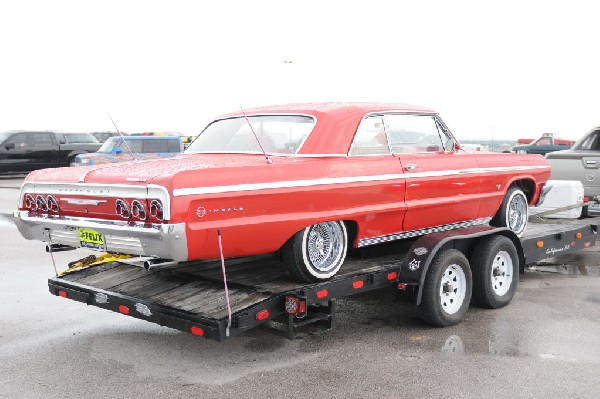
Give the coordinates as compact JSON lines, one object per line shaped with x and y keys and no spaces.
{"x":277,"y":134}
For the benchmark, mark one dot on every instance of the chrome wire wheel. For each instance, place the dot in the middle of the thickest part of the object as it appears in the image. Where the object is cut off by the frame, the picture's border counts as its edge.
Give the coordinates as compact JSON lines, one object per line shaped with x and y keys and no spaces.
{"x":502,"y":273}
{"x":453,"y":289}
{"x":325,"y":245}
{"x":516,"y":216}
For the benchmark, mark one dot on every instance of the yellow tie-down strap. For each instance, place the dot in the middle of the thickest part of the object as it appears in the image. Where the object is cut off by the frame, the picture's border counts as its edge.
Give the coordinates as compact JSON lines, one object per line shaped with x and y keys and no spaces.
{"x":92,"y":260}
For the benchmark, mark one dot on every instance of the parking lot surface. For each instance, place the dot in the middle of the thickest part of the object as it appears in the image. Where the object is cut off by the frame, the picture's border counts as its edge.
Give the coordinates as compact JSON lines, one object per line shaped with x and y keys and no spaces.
{"x":546,"y":343}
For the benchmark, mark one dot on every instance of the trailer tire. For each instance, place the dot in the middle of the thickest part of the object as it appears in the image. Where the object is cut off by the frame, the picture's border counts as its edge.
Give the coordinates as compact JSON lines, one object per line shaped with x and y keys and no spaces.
{"x":447,"y":289}
{"x":495,"y":267}
{"x":317,"y":252}
{"x":513,"y":212}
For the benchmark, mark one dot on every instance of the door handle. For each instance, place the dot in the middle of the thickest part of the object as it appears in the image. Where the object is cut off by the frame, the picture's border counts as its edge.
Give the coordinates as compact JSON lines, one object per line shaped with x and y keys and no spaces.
{"x":411,"y":166}
{"x":591,"y":162}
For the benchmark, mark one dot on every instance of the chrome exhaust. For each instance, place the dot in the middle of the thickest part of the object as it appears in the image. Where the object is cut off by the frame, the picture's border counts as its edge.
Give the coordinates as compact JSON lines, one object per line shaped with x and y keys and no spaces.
{"x":58,"y":248}
{"x":158,"y":263}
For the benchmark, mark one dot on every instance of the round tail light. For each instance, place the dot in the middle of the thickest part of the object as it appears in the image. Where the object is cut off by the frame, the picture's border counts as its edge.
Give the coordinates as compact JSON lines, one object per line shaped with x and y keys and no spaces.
{"x":122,"y":209}
{"x":52,"y":204}
{"x":41,"y":203}
{"x":138,"y":211}
{"x":30,"y":202}
{"x":156,"y":210}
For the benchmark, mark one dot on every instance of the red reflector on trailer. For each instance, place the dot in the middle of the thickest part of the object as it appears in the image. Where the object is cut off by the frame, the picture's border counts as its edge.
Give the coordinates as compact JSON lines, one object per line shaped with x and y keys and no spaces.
{"x":197,"y":331}
{"x":123,"y":309}
{"x":392,"y":276}
{"x":401,"y":286}
{"x":262,"y":315}
{"x":322,"y":294}
{"x":62,"y":294}
{"x":358,"y":284}
{"x":578,"y":235}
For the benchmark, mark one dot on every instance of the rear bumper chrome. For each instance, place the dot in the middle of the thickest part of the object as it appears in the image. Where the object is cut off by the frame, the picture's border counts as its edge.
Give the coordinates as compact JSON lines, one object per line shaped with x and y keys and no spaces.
{"x":166,"y":241}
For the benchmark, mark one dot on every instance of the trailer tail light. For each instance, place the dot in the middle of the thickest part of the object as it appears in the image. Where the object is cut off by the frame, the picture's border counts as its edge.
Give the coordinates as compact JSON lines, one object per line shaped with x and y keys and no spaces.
{"x":295,"y":306}
{"x":123,"y":309}
{"x":197,"y":331}
{"x":62,"y":294}
{"x":262,"y":315}
{"x":358,"y":284}
{"x":578,"y":235}
{"x":401,"y":286}
{"x":392,"y":276}
{"x":322,"y":294}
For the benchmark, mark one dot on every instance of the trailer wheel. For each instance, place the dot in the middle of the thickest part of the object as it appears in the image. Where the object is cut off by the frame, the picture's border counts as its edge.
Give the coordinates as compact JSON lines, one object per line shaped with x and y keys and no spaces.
{"x":447,"y":289}
{"x":513,"y":212}
{"x":495,"y":272}
{"x":317,"y":252}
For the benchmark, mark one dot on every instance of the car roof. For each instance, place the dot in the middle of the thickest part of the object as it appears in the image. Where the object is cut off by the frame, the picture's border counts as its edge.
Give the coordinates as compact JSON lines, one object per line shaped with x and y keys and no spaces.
{"x":336,"y":121}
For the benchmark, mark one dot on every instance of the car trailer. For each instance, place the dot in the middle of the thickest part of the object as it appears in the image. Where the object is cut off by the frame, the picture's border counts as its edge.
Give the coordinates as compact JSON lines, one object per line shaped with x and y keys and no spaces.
{"x":440,"y":272}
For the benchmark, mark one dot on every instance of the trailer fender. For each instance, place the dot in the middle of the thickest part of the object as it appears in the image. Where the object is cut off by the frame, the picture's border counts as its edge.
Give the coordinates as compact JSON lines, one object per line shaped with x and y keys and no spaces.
{"x":415,"y":265}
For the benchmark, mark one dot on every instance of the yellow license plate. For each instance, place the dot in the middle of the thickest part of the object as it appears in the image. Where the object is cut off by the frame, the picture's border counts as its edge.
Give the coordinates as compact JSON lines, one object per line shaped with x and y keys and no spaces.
{"x":91,"y":239}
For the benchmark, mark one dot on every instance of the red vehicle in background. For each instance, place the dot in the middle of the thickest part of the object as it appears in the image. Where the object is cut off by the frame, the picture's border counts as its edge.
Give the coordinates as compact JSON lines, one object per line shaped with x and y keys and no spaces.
{"x":542,"y":145}
{"x":306,"y":180}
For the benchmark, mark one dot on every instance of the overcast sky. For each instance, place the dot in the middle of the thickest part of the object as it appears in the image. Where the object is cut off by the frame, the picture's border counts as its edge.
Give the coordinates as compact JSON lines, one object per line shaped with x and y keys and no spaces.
{"x":511,"y":69}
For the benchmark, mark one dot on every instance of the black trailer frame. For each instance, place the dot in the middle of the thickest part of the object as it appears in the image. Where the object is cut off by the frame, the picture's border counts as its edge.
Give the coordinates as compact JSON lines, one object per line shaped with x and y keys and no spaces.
{"x":191,"y":296}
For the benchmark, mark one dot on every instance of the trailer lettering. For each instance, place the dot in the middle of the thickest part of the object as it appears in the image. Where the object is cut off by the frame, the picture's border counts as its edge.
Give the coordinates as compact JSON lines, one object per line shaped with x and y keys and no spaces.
{"x":552,"y":251}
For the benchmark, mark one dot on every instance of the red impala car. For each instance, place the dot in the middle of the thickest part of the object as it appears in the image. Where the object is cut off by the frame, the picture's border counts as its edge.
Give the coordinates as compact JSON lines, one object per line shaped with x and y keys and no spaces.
{"x":308,"y":180}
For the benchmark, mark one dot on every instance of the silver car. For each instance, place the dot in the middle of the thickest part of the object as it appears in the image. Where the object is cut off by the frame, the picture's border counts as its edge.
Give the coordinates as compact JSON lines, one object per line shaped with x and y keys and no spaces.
{"x":580,"y":162}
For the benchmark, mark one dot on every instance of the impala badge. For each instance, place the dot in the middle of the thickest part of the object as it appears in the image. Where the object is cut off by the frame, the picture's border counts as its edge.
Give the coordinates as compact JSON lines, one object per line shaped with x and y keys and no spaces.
{"x":201,"y":211}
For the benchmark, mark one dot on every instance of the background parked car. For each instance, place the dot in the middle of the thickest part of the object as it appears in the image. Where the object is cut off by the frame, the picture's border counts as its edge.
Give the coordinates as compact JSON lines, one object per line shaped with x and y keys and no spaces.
{"x":24,"y":151}
{"x":542,"y":145}
{"x":143,"y":147}
{"x":186,"y":139}
{"x":581,"y":162}
{"x":103,"y":136}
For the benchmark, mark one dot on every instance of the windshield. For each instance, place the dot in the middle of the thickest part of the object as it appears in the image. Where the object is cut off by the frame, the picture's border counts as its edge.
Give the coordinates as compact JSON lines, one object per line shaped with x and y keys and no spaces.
{"x":108,"y":145}
{"x":278,"y":134}
{"x":80,"y":138}
{"x":4,"y":136}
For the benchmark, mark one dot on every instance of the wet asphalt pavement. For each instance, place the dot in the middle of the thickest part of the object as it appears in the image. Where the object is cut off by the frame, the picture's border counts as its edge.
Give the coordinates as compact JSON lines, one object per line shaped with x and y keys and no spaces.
{"x":546,"y":343}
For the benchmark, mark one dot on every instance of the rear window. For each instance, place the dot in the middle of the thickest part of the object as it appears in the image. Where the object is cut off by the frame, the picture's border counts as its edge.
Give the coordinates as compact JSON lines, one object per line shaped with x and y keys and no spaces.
{"x":80,"y":138}
{"x":278,"y":134}
{"x":161,"y":145}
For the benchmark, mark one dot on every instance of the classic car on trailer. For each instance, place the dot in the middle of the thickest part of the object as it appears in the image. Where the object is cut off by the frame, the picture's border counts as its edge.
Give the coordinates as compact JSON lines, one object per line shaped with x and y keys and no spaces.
{"x":307,"y":180}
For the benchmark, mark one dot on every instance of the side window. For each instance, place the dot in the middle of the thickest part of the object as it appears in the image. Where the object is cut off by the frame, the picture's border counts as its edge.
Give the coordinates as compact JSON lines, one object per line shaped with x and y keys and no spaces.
{"x":592,"y":142}
{"x":415,"y":134}
{"x":17,"y":141}
{"x":134,"y":146}
{"x":41,"y":140}
{"x":370,"y":138}
{"x":173,"y":146}
{"x":152,"y":145}
{"x":543,"y":141}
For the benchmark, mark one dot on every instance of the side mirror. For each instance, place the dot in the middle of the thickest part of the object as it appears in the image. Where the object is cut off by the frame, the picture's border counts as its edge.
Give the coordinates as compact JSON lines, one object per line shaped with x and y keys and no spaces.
{"x":10,"y":146}
{"x":457,"y":147}
{"x":118,"y":150}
